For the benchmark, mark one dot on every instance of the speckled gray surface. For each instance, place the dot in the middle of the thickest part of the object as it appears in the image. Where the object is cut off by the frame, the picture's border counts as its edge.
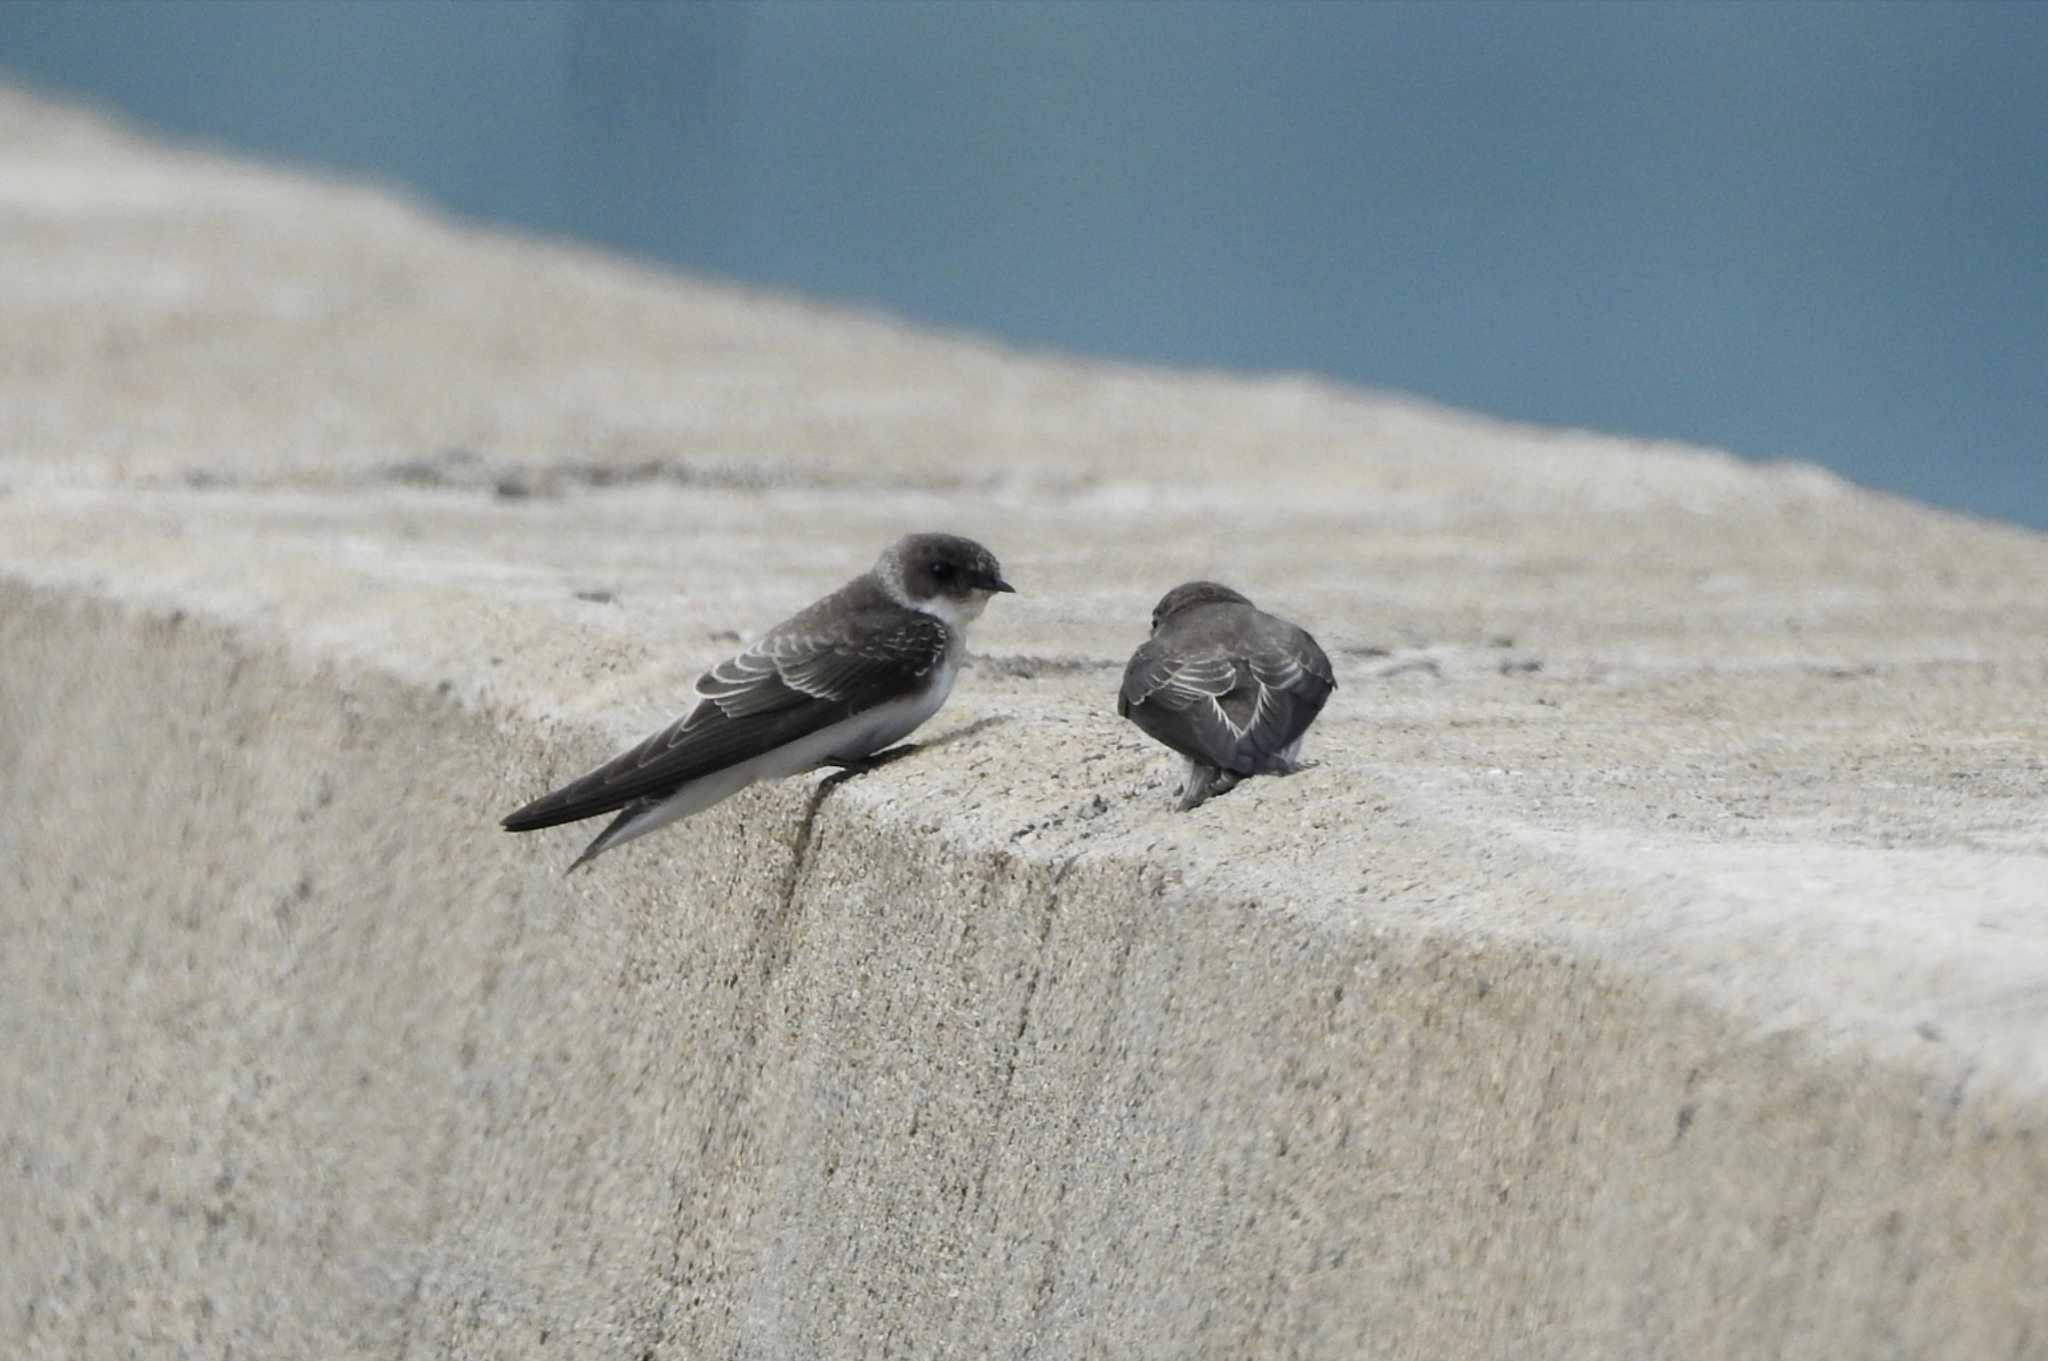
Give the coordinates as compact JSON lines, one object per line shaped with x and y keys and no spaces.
{"x":1655,"y":963}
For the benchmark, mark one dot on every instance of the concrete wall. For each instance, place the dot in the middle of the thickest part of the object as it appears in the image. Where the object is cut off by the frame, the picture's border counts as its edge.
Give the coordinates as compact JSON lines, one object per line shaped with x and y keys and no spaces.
{"x":1655,"y":964}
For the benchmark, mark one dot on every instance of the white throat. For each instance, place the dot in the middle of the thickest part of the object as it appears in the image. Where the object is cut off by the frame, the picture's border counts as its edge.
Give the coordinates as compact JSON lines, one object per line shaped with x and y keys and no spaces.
{"x":957,"y":613}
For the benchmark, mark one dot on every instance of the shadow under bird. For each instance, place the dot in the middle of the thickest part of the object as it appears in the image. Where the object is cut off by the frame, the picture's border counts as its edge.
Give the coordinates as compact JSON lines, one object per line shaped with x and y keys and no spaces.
{"x":1228,"y":686}
{"x":830,"y":686}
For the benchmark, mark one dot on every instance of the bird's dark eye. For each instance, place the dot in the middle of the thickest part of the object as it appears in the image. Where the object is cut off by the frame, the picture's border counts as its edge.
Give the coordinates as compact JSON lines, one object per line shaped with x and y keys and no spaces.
{"x":941,"y":571}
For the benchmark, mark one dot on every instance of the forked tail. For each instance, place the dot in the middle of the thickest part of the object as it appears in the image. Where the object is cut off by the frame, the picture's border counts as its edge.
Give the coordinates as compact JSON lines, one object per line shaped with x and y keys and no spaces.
{"x":615,"y":831}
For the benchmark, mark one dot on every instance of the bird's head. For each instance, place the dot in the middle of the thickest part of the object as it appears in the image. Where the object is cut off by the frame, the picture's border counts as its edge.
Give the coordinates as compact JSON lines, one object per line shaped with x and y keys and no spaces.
{"x":1190,"y":594}
{"x":941,"y":574}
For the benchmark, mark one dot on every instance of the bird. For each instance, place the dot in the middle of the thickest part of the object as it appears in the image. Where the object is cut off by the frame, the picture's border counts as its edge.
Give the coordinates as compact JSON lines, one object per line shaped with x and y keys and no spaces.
{"x":1228,"y":686}
{"x":830,"y":686}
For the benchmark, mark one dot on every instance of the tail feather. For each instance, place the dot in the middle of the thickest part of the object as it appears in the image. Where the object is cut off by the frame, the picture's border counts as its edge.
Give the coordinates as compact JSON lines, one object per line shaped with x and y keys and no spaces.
{"x":1204,"y":780}
{"x":615,"y":831}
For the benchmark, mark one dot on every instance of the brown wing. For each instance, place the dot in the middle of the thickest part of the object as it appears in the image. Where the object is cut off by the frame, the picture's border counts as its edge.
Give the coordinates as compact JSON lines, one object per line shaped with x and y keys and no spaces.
{"x":786,"y":686}
{"x":1236,"y":710}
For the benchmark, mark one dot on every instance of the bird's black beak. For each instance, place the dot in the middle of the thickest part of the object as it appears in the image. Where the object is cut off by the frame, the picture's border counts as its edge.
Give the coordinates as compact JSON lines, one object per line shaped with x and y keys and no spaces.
{"x":998,"y":585}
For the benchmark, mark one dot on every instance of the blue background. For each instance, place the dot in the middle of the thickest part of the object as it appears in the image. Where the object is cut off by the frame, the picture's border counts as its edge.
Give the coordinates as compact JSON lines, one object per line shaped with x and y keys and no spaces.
{"x":1810,"y":231}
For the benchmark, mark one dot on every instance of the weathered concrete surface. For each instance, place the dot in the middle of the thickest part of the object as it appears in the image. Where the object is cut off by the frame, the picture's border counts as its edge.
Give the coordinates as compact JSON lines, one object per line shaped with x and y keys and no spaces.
{"x":1655,"y":964}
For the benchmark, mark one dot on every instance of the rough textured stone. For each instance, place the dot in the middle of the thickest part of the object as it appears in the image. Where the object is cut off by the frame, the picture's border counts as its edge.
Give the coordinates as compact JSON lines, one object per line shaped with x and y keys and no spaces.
{"x":1655,"y":964}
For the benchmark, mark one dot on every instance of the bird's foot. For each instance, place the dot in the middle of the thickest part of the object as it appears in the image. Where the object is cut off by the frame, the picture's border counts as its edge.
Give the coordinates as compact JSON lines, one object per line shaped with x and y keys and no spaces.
{"x":861,"y":765}
{"x":1204,"y":783}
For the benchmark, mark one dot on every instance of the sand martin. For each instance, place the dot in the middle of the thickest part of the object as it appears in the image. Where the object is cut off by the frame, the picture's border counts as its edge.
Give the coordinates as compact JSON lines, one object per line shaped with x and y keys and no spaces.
{"x":1226,"y":685}
{"x":830,"y":686}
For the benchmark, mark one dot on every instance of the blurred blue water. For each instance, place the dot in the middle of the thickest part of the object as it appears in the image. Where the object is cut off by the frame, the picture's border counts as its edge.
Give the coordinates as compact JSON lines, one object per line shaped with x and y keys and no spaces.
{"x":1810,"y":231}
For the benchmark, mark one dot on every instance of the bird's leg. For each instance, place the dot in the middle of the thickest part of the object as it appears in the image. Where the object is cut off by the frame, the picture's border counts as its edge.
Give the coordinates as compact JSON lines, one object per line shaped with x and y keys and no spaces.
{"x":855,"y":765}
{"x":860,"y":765}
{"x":1203,"y":782}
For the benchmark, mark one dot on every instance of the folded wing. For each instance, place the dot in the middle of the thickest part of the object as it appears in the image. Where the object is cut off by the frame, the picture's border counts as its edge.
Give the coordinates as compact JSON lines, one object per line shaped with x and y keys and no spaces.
{"x":784,"y":687}
{"x":1238,"y":710}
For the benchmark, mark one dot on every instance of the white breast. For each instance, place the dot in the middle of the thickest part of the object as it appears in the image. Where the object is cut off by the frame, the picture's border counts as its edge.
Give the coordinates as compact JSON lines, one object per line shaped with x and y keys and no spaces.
{"x":886,"y":724}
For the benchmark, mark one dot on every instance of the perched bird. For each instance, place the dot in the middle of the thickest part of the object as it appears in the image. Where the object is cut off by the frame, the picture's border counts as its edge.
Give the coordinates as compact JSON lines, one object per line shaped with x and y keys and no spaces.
{"x":832,"y":685}
{"x":1226,"y":685}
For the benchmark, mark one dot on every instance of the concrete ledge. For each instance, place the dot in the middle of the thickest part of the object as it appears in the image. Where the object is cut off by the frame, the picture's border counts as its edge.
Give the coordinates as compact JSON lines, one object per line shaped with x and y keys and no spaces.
{"x":1655,"y":964}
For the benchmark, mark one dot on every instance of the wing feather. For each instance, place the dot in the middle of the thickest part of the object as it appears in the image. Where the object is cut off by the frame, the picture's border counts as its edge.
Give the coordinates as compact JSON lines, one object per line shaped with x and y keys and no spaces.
{"x":789,"y":684}
{"x":1238,"y":709}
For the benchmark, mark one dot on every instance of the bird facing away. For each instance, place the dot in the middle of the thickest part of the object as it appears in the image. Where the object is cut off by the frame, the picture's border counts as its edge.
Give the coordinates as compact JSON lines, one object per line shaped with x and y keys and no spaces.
{"x":1225,"y":684}
{"x":831,"y":685}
